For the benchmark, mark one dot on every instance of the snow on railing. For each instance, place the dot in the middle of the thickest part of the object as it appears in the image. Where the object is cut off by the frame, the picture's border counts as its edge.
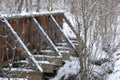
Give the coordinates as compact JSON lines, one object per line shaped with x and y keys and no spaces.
{"x":29,"y":14}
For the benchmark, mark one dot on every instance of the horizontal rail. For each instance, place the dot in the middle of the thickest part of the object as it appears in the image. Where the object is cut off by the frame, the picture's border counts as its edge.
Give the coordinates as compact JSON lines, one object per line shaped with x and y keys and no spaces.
{"x":27,"y":15}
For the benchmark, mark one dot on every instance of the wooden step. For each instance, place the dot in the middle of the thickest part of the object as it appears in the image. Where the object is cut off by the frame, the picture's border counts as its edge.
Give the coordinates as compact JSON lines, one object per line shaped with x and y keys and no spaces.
{"x":28,"y":74}
{"x":56,"y":61}
{"x":51,"y":52}
{"x":65,"y":44}
{"x":72,"y":40}
{"x":46,"y":66}
{"x":61,"y":47}
{"x":2,"y":78}
{"x":65,"y":53}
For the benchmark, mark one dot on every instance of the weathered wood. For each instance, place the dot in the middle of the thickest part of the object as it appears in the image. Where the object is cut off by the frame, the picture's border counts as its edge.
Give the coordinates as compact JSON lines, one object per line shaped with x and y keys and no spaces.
{"x":50,"y":54}
{"x":29,"y":35}
{"x":27,"y":15}
{"x":43,"y":63}
{"x":24,"y":73}
{"x":27,"y":52}
{"x":46,"y":37}
{"x":55,"y":60}
{"x":61,"y":31}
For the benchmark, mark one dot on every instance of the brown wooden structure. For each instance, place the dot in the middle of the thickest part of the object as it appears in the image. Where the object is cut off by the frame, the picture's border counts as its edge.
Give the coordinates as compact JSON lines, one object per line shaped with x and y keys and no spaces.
{"x":28,"y":33}
{"x":32,"y":42}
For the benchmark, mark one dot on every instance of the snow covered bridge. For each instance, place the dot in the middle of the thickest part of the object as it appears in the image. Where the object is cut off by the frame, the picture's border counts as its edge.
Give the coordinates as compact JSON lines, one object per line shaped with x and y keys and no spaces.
{"x":33,"y":43}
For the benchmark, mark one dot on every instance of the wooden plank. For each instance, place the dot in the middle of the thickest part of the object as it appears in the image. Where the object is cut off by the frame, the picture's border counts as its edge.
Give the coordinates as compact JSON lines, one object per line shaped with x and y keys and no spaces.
{"x":54,"y":60}
{"x":26,"y":15}
{"x":27,"y":53}
{"x":24,"y":73}
{"x":47,"y":66}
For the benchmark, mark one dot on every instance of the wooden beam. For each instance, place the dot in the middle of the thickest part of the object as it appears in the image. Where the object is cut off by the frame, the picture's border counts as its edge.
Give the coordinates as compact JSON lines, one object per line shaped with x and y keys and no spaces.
{"x":46,"y":37}
{"x":27,"y":15}
{"x":27,"y":52}
{"x":61,"y":31}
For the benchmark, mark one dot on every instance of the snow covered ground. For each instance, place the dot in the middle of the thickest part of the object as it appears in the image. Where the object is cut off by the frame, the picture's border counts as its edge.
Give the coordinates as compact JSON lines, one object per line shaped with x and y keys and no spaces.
{"x":116,"y":57}
{"x":70,"y":68}
{"x":116,"y":73}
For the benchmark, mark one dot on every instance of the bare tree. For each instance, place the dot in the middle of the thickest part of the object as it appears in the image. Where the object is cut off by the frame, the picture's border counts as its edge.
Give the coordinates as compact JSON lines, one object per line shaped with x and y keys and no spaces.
{"x":94,"y":25}
{"x":38,"y":5}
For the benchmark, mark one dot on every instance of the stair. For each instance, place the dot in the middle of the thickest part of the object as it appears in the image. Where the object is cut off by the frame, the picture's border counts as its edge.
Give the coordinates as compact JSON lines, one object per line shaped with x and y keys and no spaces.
{"x":2,"y":78}
{"x":27,"y":74}
{"x":45,"y":61}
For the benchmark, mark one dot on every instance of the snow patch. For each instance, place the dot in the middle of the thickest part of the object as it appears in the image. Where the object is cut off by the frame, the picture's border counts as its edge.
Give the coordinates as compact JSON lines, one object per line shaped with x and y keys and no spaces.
{"x":114,"y":76}
{"x":24,"y":13}
{"x":66,"y":29}
{"x":13,"y":79}
{"x":71,"y":67}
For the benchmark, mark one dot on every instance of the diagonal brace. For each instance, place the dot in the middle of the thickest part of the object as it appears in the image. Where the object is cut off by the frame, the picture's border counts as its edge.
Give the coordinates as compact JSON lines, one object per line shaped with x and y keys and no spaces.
{"x":70,"y":25}
{"x":61,"y":31}
{"x":27,"y":52}
{"x":46,"y":37}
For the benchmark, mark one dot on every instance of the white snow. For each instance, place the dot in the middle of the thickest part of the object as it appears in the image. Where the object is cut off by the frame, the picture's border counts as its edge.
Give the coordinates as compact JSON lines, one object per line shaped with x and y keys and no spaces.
{"x":116,"y":58}
{"x":18,"y":69}
{"x":39,"y":62}
{"x":13,"y":78}
{"x":116,"y":74}
{"x":24,"y":13}
{"x":66,"y":28}
{"x":71,"y":67}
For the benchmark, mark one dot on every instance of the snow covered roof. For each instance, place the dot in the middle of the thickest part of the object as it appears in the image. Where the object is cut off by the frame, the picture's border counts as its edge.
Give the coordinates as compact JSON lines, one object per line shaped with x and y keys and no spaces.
{"x":29,"y":14}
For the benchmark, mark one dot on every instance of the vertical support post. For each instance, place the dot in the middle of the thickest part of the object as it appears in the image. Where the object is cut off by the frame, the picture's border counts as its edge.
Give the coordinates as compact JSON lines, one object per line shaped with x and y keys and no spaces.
{"x":27,"y":52}
{"x":60,"y":30}
{"x":46,"y":37}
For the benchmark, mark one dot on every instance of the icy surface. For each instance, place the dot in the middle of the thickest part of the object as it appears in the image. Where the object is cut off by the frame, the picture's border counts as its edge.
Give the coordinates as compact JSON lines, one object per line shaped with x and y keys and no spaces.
{"x":71,"y":67}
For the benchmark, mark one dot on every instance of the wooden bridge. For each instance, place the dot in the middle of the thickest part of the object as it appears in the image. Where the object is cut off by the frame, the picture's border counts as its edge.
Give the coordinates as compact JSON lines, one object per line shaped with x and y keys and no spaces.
{"x":33,"y":45}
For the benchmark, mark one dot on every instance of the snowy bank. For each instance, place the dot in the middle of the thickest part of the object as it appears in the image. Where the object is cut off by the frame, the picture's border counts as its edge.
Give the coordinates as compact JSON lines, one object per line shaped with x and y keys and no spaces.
{"x":70,"y":68}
